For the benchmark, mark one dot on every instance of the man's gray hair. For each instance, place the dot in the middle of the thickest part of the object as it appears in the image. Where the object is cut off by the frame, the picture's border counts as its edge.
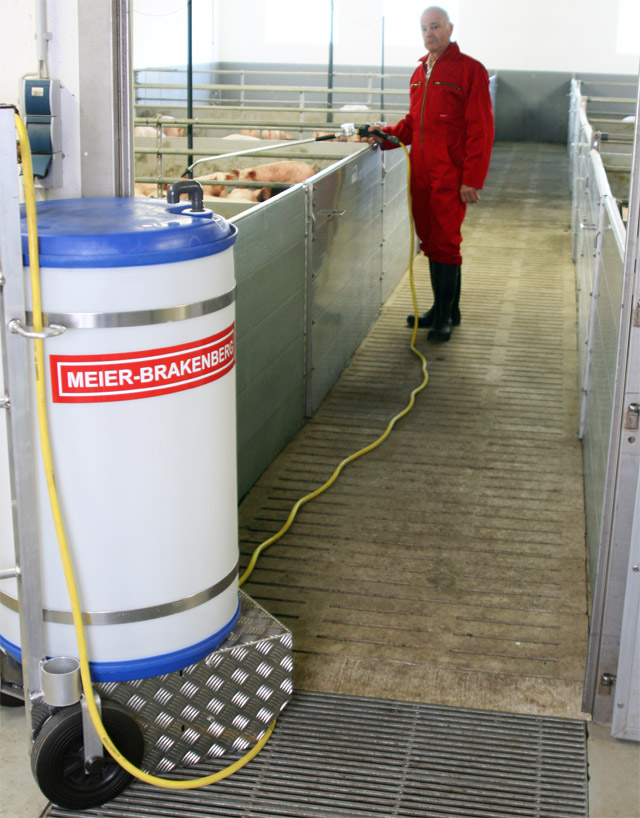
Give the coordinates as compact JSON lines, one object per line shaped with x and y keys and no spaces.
{"x":440,"y":10}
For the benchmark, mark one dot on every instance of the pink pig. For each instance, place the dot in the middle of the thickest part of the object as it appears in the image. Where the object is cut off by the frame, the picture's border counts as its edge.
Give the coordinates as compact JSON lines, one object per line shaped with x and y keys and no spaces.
{"x":287,"y":172}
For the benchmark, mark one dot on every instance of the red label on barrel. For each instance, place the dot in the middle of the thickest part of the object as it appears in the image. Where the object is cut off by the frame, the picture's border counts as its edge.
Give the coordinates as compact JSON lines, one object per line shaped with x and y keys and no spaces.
{"x":145,"y":374}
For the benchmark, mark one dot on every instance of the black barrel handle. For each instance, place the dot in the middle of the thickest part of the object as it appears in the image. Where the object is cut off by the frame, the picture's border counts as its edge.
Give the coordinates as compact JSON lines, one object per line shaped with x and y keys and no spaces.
{"x":189,"y":186}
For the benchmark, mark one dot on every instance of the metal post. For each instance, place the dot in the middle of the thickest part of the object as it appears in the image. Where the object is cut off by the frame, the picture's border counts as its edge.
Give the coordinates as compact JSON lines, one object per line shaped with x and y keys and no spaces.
{"x":593,"y":318}
{"x":123,"y":114}
{"x":330,"y":72}
{"x":18,"y":371}
{"x":382,"y":75}
{"x":105,"y":92}
{"x":189,"y":80}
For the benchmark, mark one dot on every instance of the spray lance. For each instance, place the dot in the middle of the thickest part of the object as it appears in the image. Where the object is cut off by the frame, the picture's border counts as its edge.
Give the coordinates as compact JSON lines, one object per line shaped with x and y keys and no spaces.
{"x":350,"y":129}
{"x":346,"y":129}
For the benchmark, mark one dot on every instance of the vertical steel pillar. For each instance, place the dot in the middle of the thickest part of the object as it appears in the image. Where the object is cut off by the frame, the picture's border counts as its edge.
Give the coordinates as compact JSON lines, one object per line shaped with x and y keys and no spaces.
{"x":106,"y":94}
{"x":17,"y":364}
{"x":615,"y":571}
{"x":190,"y":82}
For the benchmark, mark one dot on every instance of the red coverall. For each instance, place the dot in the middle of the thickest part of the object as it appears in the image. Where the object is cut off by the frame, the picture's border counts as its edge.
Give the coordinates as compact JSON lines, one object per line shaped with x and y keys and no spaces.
{"x":450,"y":129}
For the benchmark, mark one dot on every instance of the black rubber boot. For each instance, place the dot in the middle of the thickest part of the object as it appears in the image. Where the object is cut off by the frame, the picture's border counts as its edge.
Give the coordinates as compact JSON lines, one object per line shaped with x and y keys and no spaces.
{"x":446,"y":281}
{"x":455,"y":309}
{"x":426,"y":319}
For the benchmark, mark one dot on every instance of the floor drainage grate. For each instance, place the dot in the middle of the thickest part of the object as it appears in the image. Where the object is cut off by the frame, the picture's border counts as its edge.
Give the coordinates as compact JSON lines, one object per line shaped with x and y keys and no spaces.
{"x":340,"y":756}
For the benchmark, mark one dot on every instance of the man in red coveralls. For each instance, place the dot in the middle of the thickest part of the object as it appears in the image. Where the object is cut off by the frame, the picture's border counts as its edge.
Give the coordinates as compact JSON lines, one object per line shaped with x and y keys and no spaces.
{"x":450,"y":129}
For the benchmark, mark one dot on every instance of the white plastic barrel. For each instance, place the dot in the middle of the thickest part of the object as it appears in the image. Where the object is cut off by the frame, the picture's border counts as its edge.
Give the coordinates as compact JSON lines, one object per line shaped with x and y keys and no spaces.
{"x":141,"y":404}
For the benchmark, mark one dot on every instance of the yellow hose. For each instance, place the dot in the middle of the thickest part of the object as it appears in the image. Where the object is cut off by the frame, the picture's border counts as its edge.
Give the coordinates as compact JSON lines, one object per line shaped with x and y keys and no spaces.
{"x":425,"y":377}
{"x":47,"y":458}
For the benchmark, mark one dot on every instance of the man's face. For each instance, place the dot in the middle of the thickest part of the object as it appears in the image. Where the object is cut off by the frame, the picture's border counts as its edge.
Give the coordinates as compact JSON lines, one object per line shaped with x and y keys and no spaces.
{"x":436,"y":32}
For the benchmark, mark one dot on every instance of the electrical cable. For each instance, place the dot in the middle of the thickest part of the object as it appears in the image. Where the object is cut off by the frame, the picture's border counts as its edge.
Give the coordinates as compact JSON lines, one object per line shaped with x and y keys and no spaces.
{"x":45,"y":444}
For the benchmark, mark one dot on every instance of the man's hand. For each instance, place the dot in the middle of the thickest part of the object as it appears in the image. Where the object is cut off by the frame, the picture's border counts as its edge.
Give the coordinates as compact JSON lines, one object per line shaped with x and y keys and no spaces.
{"x":470,"y":195}
{"x":374,"y":139}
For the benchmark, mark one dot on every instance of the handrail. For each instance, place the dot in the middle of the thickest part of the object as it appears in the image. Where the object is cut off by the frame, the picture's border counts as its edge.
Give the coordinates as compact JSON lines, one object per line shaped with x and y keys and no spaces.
{"x":272,"y":73}
{"x":277,"y":89}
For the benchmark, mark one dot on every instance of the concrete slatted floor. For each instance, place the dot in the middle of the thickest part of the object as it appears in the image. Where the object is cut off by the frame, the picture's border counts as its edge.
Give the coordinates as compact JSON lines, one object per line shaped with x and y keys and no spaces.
{"x":448,"y":566}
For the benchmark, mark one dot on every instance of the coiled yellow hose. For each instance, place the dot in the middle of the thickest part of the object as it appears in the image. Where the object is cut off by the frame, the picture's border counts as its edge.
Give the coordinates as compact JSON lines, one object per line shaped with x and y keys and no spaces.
{"x":45,"y":445}
{"x":425,"y":378}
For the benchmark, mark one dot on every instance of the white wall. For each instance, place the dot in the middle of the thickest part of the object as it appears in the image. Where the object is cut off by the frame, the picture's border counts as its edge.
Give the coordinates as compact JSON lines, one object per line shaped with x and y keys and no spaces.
{"x":18,"y":29}
{"x":165,"y":22}
{"x":548,"y":35}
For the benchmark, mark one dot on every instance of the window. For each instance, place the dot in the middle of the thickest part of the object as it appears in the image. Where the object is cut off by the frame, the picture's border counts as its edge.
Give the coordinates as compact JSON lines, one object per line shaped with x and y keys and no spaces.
{"x":402,"y":20}
{"x":628,"y":27}
{"x":294,"y":22}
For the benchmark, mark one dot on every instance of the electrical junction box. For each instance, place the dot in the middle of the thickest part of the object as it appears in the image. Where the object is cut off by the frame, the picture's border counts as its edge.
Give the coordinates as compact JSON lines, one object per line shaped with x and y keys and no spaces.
{"x":41,"y":106}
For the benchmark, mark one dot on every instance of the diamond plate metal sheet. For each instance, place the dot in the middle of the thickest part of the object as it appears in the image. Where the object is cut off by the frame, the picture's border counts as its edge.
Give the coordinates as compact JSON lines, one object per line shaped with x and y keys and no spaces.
{"x":222,"y":704}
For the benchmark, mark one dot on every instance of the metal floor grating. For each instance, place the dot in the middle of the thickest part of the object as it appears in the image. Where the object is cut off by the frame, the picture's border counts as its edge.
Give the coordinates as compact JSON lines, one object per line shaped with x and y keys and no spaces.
{"x":335,"y":756}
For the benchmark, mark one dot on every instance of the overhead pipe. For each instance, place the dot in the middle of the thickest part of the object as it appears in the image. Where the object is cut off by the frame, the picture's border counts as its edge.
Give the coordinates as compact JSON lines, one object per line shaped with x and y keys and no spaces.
{"x":330,"y":71}
{"x":42,"y":38}
{"x":189,"y":78}
{"x":382,"y":73}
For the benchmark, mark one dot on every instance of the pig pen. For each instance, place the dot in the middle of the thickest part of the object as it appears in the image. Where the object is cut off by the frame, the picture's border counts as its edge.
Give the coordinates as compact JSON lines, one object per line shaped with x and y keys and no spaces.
{"x":600,"y":174}
{"x":313,"y":264}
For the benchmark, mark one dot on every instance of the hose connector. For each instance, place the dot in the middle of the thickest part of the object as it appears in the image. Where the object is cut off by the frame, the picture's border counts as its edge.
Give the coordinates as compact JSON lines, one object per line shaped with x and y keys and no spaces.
{"x":192,"y":188}
{"x":364,"y":132}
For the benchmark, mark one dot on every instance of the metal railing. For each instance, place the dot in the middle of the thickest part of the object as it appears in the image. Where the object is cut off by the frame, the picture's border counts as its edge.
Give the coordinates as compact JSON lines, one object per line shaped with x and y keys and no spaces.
{"x":598,"y":234}
{"x":167,"y":87}
{"x":598,"y":240}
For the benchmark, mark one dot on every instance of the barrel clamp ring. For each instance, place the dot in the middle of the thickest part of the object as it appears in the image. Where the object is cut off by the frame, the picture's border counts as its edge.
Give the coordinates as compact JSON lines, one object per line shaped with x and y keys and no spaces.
{"x":15,"y":326}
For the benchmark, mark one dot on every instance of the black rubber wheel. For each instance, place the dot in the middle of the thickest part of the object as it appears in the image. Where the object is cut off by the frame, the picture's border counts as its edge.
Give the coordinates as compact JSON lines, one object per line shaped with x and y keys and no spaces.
{"x":57,"y":758}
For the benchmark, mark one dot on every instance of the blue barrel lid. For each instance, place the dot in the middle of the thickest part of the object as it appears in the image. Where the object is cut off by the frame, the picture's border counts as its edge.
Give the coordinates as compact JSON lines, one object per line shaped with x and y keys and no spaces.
{"x":124,"y":232}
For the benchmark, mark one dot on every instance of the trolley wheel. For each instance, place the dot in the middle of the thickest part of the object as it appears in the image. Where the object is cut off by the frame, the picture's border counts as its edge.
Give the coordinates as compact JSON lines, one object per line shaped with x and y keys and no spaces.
{"x":57,"y":758}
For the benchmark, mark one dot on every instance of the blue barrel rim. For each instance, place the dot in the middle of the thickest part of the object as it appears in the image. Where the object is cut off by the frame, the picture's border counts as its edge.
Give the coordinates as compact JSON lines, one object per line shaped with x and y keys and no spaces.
{"x":124,"y":232}
{"x":132,"y":669}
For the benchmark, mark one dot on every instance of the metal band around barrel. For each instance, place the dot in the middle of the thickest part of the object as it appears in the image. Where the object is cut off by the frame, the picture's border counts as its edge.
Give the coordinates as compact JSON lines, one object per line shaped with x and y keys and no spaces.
{"x":136,"y":318}
{"x":137,"y":614}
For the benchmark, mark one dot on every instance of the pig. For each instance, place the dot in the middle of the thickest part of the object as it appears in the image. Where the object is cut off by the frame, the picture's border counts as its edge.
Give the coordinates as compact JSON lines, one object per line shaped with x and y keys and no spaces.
{"x":288,"y":172}
{"x":250,"y":132}
{"x":150,"y":130}
{"x":148,"y":190}
{"x":242,"y":136}
{"x":218,"y":176}
{"x":276,"y":135}
{"x":245,"y":194}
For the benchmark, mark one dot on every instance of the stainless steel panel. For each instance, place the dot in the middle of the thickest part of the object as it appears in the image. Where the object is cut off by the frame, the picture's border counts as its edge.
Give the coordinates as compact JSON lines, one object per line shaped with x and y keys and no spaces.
{"x":615,"y":574}
{"x":396,"y":225}
{"x":626,"y":714}
{"x":346,"y":266}
{"x":599,"y":401}
{"x":19,"y":382}
{"x":270,"y":257}
{"x":609,"y":380}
